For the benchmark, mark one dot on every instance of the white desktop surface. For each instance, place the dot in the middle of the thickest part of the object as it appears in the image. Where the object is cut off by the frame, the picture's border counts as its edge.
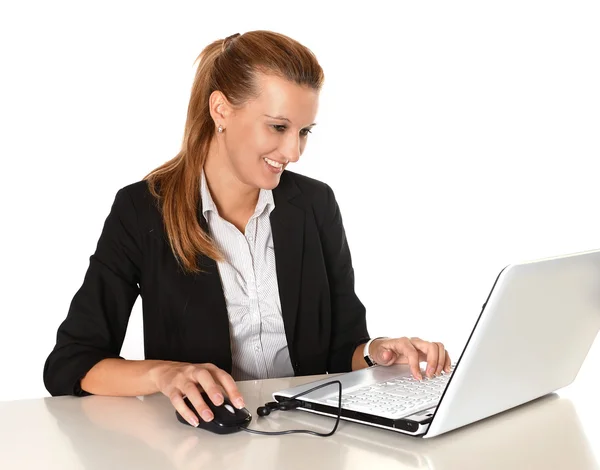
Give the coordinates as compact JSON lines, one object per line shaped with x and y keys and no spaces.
{"x":560,"y":431}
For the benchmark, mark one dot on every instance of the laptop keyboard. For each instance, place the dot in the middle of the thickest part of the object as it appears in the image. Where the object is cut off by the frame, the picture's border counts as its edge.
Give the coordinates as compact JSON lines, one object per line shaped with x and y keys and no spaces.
{"x":397,"y":397}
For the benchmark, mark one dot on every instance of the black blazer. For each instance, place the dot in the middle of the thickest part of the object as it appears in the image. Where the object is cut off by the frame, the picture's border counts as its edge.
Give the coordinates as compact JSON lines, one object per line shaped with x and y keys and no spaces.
{"x":185,"y":316}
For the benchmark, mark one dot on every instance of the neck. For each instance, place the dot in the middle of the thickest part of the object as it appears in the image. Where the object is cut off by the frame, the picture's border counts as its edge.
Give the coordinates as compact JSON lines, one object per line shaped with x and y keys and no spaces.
{"x":233,"y":198}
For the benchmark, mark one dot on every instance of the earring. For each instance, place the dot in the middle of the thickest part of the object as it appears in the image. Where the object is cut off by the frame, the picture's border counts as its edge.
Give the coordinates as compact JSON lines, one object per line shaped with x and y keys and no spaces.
{"x":220,"y":129}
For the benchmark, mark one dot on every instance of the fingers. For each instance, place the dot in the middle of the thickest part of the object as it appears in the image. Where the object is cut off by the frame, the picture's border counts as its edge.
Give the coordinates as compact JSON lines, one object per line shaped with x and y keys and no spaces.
{"x":230,"y":388}
{"x":414,"y":351}
{"x":448,"y":363}
{"x":204,"y":377}
{"x":412,"y":355}
{"x":430,"y":354}
{"x":383,"y":355}
{"x":193,"y":393}
{"x":181,"y":380}
{"x":214,"y":380}
{"x":433,"y":354}
{"x":178,"y":403}
{"x":219,"y":380}
{"x":441,"y":358}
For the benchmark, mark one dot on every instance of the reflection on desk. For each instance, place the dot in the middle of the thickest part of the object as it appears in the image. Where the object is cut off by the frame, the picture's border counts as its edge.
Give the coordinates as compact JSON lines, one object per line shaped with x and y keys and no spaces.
{"x":545,"y":433}
{"x":106,"y":432}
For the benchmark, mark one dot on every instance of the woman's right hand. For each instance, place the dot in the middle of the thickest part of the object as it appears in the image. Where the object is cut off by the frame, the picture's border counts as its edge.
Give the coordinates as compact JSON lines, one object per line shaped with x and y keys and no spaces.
{"x":177,"y":380}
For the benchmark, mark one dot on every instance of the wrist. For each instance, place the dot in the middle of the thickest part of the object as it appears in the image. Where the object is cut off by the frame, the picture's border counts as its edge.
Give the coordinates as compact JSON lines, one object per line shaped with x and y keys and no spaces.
{"x":156,"y":369}
{"x":369,"y":350}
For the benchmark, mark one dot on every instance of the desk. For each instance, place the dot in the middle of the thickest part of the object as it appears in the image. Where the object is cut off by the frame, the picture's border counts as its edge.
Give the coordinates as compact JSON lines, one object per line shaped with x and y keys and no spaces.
{"x":142,"y":433}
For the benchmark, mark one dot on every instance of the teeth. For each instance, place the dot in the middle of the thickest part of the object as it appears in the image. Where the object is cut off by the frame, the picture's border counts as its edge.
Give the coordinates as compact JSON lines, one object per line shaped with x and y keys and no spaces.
{"x":273,"y":163}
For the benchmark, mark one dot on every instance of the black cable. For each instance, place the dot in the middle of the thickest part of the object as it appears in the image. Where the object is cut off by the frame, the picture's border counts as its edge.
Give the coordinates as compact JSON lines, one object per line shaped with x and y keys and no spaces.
{"x":299,"y":403}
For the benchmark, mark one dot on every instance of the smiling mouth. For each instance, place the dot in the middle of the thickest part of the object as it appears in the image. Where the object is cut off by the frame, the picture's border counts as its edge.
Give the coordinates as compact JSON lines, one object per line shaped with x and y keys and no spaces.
{"x":273,"y":163}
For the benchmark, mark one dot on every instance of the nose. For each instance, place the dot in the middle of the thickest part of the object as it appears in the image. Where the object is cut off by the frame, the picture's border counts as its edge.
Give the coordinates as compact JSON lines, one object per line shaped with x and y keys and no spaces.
{"x":291,"y":148}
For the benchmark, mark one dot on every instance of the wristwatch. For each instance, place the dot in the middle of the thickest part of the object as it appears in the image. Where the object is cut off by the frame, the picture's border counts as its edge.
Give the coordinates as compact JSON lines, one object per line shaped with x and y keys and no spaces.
{"x":368,"y":359}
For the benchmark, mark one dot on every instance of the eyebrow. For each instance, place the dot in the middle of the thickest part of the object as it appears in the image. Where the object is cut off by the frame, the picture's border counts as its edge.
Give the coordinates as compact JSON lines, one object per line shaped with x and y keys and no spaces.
{"x":286,"y":119}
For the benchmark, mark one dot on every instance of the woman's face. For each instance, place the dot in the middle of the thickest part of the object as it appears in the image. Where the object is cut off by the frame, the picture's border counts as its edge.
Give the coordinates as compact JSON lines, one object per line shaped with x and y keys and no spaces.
{"x":268,"y":132}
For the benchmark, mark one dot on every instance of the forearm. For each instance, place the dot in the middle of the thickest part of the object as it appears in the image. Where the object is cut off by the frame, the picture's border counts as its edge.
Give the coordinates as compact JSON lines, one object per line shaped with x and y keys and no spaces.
{"x":358,"y":359}
{"x":122,"y":378}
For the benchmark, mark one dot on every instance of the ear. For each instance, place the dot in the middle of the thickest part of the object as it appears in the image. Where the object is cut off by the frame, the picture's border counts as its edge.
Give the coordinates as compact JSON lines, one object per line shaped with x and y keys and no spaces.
{"x":220,"y":109}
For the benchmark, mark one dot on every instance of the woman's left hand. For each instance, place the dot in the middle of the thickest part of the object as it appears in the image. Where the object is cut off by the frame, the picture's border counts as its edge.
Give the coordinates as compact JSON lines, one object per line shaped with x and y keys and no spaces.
{"x":412,"y":351}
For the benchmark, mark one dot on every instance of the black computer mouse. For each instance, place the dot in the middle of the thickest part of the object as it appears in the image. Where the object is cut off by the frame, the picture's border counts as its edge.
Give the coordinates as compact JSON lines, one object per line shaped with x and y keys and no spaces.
{"x":227,"y":418}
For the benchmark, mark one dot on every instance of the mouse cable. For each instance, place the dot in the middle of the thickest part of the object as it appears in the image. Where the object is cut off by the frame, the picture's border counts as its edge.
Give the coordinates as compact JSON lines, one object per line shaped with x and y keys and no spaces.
{"x":291,"y":403}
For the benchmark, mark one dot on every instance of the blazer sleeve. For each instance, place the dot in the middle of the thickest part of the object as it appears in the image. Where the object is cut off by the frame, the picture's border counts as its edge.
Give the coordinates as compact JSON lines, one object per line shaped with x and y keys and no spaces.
{"x":95,"y":326}
{"x":349,"y":327}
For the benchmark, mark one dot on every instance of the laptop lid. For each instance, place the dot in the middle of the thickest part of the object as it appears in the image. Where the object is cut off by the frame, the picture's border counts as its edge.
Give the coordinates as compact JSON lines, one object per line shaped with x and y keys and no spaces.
{"x":530,"y":339}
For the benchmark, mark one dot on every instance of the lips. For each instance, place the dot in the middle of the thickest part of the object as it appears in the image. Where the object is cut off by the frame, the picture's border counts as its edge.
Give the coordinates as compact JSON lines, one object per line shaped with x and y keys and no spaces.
{"x":274,"y":163}
{"x":273,"y":169}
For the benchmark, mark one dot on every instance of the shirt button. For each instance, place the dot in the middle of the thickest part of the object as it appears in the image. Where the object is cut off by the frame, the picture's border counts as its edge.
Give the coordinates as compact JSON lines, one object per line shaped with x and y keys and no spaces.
{"x":250,"y":239}
{"x":257,"y":348}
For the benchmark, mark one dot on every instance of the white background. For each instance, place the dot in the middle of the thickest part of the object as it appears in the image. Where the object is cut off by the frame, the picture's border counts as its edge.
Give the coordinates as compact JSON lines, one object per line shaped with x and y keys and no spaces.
{"x":459,"y":137}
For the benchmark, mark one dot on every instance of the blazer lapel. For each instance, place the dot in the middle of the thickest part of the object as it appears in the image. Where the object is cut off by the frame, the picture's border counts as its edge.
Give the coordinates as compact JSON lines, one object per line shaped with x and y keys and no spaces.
{"x":206,"y":290}
{"x":287,"y":227}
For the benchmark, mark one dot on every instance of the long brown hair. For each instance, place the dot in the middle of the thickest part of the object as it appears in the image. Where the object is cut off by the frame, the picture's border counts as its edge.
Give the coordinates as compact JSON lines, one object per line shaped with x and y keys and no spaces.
{"x":229,"y":65}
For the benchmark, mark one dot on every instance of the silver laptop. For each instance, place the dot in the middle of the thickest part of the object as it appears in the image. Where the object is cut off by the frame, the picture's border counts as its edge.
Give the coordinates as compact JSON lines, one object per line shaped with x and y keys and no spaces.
{"x":530,"y":339}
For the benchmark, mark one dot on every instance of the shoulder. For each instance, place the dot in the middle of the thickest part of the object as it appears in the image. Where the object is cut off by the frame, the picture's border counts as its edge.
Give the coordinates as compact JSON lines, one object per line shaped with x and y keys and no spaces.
{"x":138,"y":191}
{"x":311,"y":194}
{"x":310,"y":189}
{"x":136,"y":196}
{"x":136,"y":202}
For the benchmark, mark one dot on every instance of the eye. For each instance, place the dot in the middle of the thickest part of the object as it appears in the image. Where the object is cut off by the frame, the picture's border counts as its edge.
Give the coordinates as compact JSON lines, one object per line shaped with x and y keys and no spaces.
{"x":282,"y":128}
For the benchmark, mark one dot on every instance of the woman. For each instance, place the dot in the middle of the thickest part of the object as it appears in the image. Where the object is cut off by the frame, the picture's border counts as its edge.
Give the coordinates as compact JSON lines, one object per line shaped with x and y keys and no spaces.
{"x":243,"y":266}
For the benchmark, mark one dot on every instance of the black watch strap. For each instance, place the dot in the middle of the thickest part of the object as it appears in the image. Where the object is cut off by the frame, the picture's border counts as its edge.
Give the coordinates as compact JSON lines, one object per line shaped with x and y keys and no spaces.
{"x":368,"y":359}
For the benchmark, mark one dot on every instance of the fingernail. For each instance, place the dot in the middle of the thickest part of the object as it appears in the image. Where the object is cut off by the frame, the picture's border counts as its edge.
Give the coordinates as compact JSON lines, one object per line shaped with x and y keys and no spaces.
{"x":239,"y":403}
{"x":207,"y":415}
{"x":194,"y":422}
{"x":218,"y":399}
